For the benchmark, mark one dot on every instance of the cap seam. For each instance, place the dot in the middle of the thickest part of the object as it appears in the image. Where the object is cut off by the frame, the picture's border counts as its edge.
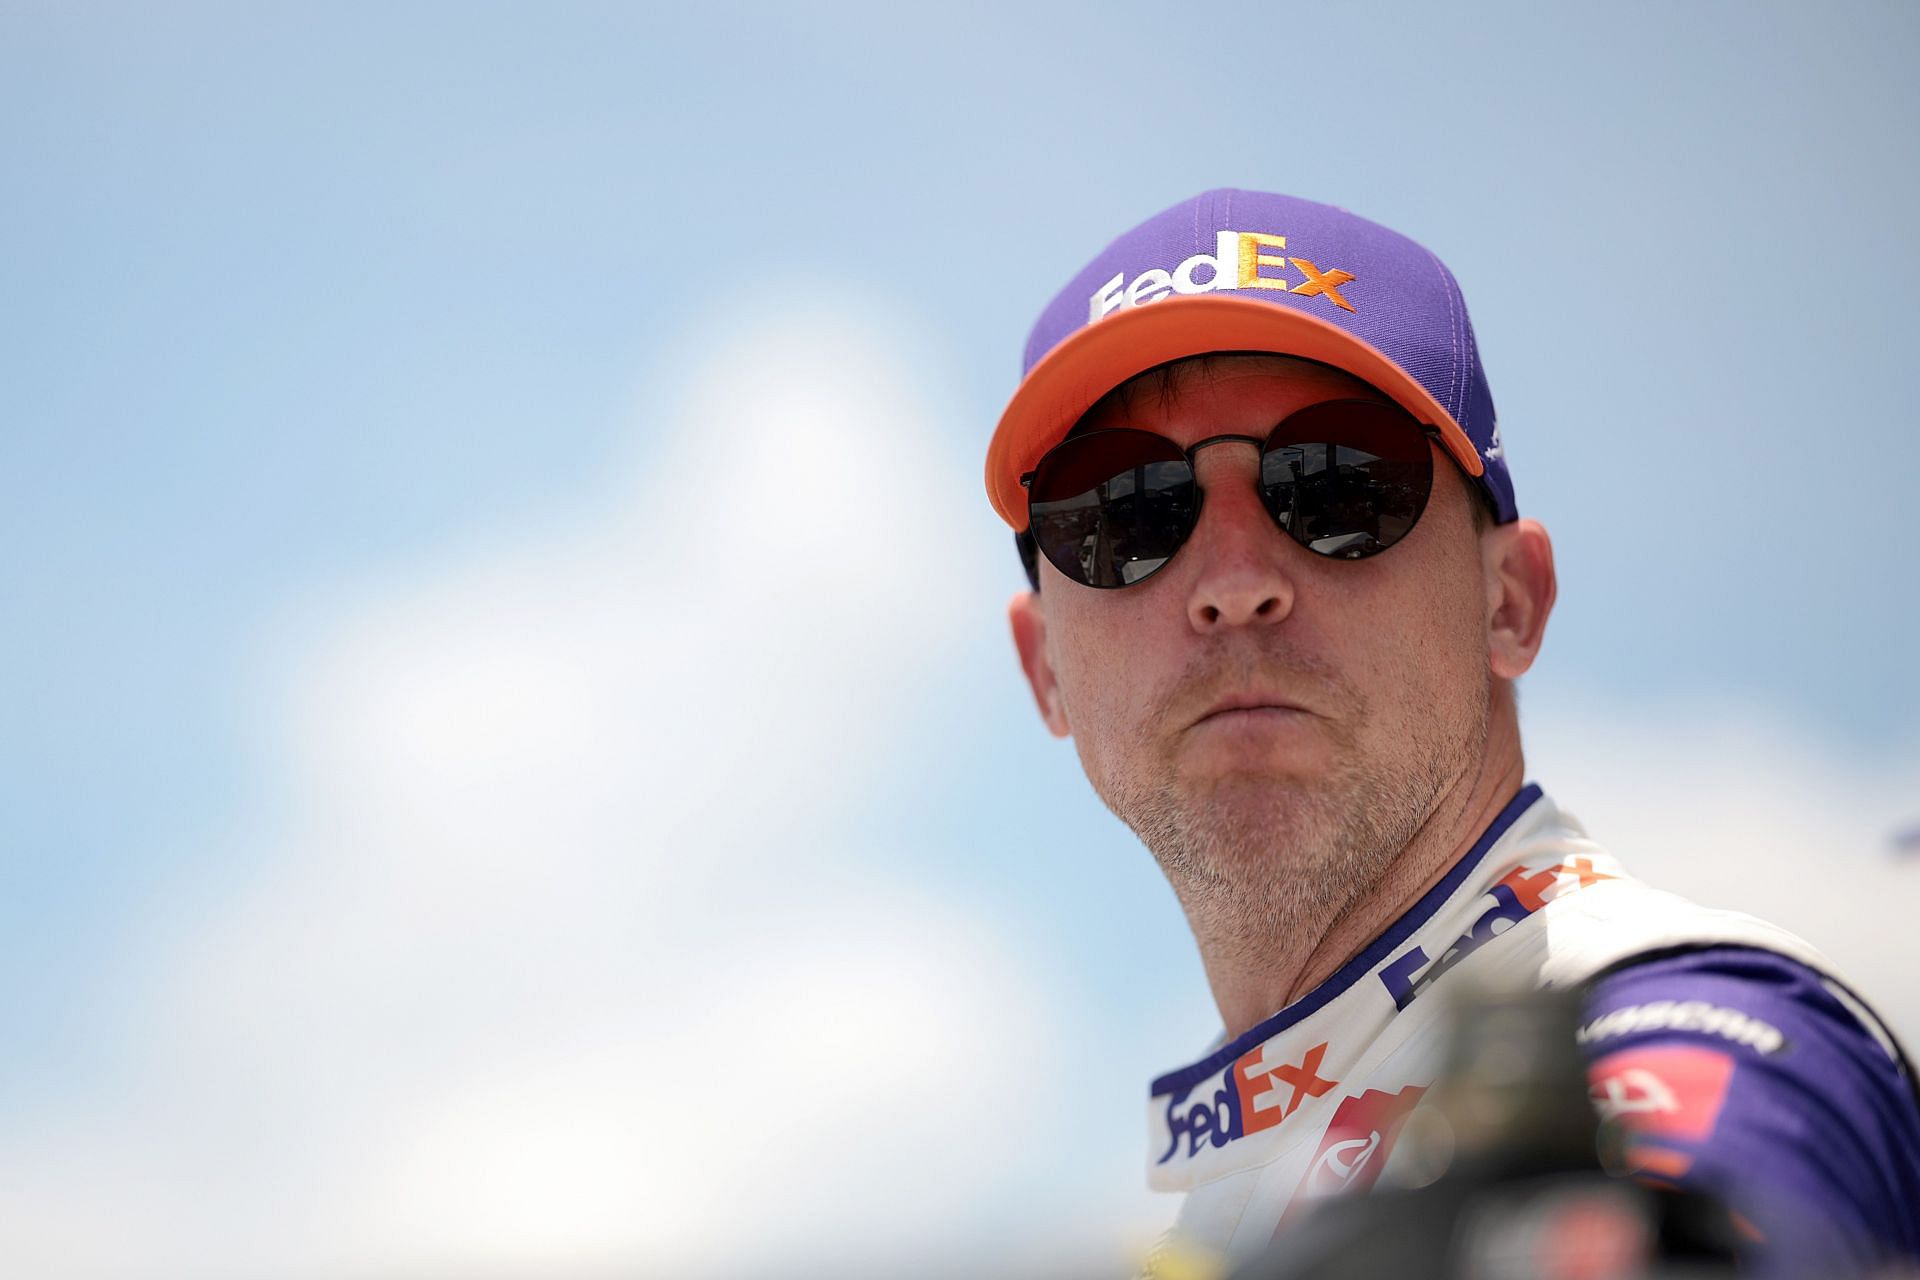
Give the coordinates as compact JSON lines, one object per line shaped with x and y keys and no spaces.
{"x":1461,"y":410}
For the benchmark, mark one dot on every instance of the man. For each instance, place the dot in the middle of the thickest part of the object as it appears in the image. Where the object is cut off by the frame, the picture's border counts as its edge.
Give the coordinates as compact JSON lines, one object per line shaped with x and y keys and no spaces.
{"x":1282,"y":592}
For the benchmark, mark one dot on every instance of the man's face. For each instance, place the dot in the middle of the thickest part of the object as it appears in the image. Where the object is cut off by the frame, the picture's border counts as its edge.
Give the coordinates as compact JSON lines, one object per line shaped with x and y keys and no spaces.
{"x":1269,"y":720}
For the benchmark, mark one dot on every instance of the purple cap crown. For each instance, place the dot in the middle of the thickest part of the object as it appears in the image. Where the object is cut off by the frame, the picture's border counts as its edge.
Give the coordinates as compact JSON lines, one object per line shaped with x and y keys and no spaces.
{"x":1247,"y":271}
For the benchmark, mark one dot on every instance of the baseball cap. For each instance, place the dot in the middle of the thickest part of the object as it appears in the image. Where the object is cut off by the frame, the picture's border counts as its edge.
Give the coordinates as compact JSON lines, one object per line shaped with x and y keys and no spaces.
{"x":1249,"y":271}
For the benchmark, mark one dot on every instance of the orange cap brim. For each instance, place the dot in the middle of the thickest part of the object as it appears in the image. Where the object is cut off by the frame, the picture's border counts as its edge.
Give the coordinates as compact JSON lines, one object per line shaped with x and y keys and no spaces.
{"x":1075,"y":374}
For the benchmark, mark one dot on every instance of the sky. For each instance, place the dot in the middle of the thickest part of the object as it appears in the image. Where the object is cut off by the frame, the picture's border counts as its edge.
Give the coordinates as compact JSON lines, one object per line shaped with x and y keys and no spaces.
{"x":512,"y":762}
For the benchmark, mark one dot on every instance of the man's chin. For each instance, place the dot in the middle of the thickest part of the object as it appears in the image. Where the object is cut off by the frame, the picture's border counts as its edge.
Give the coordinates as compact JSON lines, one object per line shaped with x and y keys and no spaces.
{"x":1275,"y":787}
{"x":1273,"y":817}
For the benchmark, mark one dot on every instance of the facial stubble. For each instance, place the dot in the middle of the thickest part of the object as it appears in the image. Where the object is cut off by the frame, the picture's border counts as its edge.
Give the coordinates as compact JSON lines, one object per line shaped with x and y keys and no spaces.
{"x":1262,"y":859}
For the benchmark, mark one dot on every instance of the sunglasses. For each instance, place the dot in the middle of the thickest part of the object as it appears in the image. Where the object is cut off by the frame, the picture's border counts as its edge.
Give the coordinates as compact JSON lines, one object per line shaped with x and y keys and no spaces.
{"x":1344,"y":478}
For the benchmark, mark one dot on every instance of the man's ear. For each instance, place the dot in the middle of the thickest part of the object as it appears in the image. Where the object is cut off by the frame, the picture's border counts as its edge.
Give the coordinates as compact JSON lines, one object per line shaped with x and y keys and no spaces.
{"x":1518,"y":563}
{"x":1029,"y":621}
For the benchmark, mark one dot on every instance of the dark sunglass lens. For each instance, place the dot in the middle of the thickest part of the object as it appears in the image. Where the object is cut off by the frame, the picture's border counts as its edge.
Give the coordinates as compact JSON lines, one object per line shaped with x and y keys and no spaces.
{"x":1110,"y":507}
{"x":1347,"y":478}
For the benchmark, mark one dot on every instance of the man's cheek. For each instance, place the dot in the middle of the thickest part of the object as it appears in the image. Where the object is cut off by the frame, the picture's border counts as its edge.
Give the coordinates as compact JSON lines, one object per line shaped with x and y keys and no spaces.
{"x":1088,"y":675}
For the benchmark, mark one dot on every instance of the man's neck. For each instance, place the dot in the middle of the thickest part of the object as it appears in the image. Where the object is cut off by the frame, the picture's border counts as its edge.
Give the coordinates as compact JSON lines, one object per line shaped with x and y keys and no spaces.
{"x":1253,"y":983}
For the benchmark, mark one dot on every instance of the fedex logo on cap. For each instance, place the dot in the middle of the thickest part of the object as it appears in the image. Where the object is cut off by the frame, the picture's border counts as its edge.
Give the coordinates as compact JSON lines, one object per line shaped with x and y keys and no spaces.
{"x":1240,"y":260}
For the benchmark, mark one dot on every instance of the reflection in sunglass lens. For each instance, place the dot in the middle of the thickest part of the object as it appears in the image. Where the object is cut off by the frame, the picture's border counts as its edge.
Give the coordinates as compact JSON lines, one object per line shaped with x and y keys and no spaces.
{"x":1110,"y":507}
{"x":1347,"y":478}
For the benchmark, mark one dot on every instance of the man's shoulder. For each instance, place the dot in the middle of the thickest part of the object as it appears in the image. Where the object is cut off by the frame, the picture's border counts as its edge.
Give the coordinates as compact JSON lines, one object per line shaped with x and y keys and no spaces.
{"x":1618,"y":934}
{"x":1611,"y":922}
{"x":1598,"y":914}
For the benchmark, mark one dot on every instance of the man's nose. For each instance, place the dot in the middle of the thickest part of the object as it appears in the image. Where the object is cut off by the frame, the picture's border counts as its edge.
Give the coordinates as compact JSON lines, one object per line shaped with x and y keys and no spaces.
{"x":1242,"y":555}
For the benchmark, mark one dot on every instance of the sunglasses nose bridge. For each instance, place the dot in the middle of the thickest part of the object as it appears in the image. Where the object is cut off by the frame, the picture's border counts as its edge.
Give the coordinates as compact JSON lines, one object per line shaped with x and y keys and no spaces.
{"x":1235,"y":469}
{"x":1193,"y":449}
{"x":1223,"y":467}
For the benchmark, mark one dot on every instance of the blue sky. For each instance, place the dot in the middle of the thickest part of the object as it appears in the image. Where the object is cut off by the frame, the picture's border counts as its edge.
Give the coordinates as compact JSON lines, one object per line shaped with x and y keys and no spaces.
{"x":353,"y":359}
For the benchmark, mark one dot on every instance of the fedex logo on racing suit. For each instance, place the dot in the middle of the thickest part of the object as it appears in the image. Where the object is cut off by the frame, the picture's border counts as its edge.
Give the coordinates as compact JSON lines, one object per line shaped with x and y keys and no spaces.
{"x":1516,"y":895}
{"x":1240,"y":260}
{"x":1257,"y":1091}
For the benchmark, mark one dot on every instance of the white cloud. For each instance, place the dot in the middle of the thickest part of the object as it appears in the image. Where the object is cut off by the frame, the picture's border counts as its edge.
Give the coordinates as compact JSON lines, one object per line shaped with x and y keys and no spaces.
{"x":558,"y":951}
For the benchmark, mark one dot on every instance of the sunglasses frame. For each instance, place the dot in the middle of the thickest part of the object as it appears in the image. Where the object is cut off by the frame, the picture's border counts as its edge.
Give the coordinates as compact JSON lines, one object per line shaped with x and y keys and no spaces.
{"x":1028,"y":542}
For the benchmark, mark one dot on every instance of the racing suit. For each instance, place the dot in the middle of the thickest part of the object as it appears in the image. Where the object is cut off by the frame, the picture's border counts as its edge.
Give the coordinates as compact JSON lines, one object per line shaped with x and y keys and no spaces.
{"x":1738,"y":1063}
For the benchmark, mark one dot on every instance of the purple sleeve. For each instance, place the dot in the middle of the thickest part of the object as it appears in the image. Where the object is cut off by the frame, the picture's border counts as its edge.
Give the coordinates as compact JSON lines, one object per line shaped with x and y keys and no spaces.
{"x":1737,"y":1072}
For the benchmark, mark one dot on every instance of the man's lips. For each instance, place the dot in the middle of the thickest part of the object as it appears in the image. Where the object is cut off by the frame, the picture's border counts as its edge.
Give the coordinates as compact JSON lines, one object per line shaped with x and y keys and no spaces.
{"x":1249,"y":702}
